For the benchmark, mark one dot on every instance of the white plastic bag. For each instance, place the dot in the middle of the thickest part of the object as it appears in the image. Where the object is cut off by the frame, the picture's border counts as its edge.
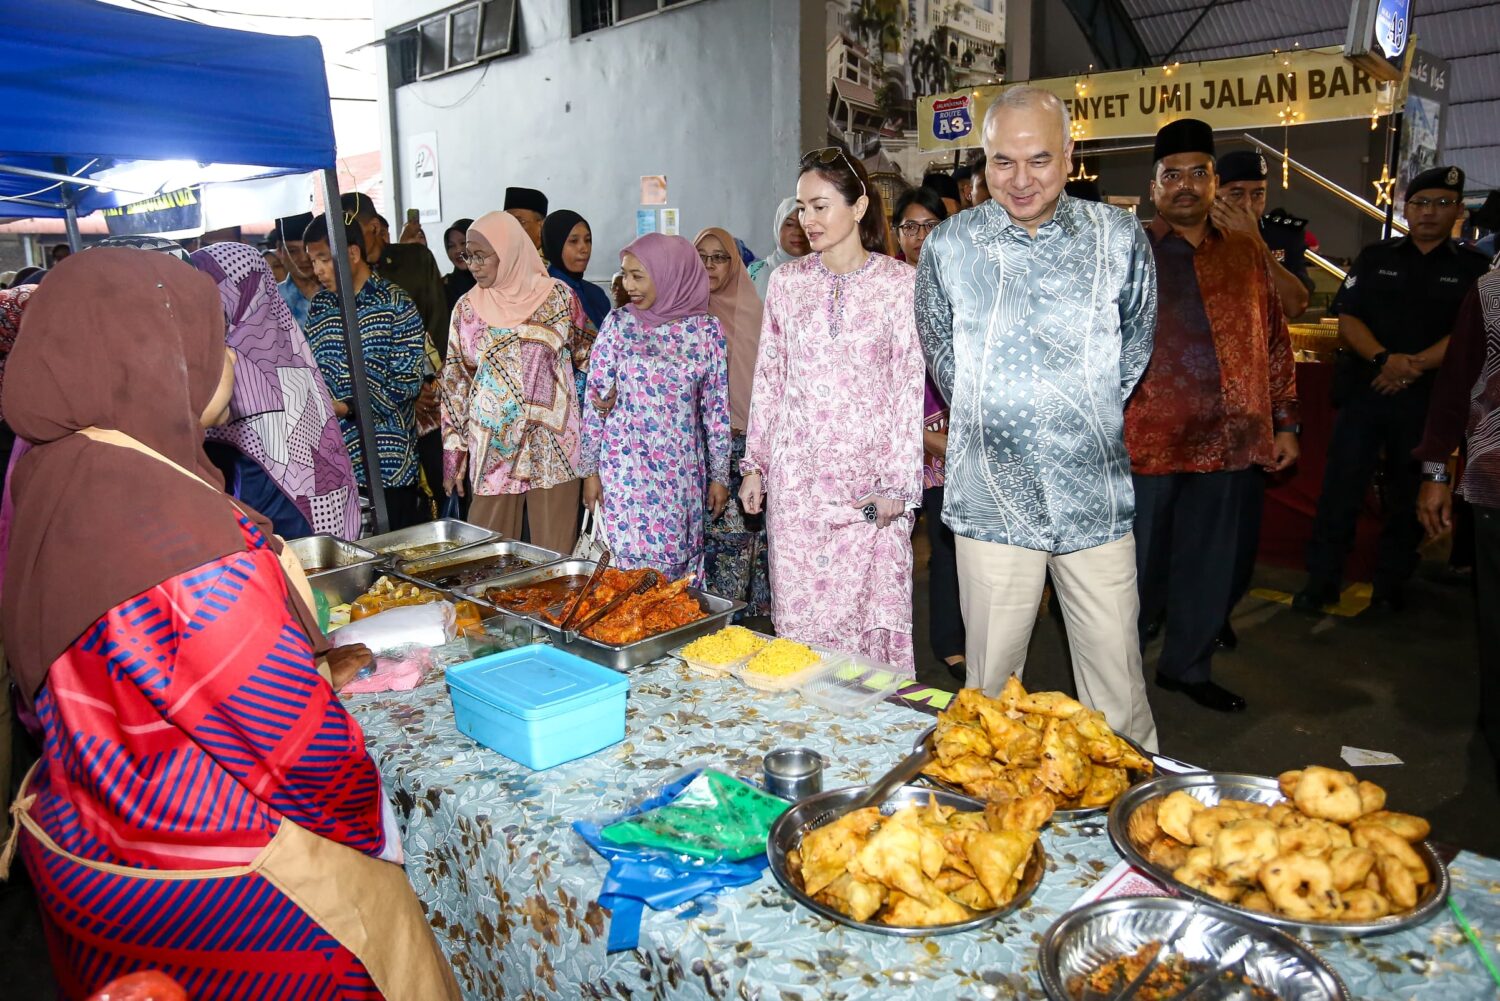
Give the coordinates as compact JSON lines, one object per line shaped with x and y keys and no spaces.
{"x":410,"y":625}
{"x":591,"y":544}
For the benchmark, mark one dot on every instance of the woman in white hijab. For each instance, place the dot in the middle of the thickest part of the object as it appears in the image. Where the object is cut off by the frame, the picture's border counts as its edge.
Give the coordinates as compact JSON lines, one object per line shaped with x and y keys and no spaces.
{"x":791,"y":243}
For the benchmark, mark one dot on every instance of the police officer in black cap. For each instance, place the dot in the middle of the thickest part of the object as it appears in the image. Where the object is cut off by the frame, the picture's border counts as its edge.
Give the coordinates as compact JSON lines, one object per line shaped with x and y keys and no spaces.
{"x":1396,"y":309}
{"x":1241,"y":205}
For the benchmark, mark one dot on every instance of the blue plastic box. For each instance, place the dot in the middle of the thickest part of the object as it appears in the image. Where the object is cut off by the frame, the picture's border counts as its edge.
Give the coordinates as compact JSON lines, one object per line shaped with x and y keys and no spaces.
{"x":539,"y":705}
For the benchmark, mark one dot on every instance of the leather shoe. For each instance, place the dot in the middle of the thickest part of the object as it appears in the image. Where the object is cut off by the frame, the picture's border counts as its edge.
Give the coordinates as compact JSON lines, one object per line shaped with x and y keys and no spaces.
{"x":1312,"y":598}
{"x":1387,"y":604}
{"x":1227,"y":639}
{"x":1205,"y":693}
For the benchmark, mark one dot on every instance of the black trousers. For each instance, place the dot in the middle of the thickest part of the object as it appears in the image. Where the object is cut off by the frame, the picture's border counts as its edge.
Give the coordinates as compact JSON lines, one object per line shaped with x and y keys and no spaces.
{"x":1487,"y":613}
{"x":1187,"y":543}
{"x":945,"y":622}
{"x":1252,"y":509}
{"x":406,"y":506}
{"x":1370,"y":431}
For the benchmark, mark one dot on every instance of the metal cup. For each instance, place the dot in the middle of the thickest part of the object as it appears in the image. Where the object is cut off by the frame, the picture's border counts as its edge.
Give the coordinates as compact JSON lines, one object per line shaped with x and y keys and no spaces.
{"x":793,"y":773}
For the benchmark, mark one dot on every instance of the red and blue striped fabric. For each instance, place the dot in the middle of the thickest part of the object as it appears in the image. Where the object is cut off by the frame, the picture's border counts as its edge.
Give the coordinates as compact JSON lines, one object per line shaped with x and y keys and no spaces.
{"x":180,"y":729}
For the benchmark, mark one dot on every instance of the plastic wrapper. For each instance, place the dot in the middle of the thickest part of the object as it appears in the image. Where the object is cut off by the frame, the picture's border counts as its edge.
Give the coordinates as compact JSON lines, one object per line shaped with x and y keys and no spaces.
{"x":396,"y":670}
{"x":641,"y":877}
{"x":715,"y":816}
{"x":414,"y":625}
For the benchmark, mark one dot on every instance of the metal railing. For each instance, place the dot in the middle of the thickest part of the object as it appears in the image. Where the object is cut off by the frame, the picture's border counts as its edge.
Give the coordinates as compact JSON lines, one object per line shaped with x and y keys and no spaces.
{"x":1336,"y":190}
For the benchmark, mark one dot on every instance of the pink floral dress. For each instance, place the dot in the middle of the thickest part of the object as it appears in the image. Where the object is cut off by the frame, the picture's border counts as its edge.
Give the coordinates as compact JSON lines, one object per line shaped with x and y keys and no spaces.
{"x":665,"y":440}
{"x":836,"y":417}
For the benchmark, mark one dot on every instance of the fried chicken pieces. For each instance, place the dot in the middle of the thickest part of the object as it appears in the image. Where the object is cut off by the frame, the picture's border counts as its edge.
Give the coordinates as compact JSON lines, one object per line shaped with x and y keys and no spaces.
{"x":922,"y":866}
{"x":1023,"y":743}
{"x":1328,"y":852}
{"x":653,"y":611}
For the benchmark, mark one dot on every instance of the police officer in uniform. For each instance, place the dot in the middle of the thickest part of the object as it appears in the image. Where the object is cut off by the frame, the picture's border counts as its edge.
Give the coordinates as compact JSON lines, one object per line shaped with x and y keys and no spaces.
{"x":1396,"y":309}
{"x":1241,"y":205}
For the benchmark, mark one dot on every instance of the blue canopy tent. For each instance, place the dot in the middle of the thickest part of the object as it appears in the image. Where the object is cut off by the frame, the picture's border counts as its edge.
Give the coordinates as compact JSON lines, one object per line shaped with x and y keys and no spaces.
{"x":93,"y":87}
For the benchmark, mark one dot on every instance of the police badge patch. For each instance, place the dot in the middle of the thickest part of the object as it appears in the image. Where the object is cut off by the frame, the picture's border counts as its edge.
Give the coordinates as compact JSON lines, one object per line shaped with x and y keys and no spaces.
{"x":1452,"y":175}
{"x":1264,"y":169}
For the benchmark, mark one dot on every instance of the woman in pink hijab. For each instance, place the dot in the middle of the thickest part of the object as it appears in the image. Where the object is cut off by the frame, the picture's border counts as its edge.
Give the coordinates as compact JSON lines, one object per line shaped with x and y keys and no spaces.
{"x":659,"y":459}
{"x":509,"y":404}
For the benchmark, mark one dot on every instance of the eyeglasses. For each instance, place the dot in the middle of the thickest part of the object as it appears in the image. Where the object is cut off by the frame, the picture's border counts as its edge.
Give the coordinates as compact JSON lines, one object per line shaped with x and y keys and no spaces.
{"x":829,"y":155}
{"x":911,"y":227}
{"x":472,"y":258}
{"x":1431,"y":203}
{"x":714,"y":260}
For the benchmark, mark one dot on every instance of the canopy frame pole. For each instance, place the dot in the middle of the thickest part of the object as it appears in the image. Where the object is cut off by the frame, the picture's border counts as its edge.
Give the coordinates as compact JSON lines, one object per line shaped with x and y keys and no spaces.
{"x":339,"y":244}
{"x":70,"y":220}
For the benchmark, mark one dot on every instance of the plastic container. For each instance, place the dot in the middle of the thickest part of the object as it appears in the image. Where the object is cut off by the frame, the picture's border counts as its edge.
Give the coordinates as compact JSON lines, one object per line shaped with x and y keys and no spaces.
{"x":711,"y":669}
{"x":784,"y":682}
{"x":539,"y":705}
{"x":849,"y":684}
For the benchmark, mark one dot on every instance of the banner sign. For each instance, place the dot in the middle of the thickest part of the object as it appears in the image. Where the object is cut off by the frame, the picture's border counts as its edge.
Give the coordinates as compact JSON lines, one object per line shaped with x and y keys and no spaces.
{"x":172,"y":212}
{"x":1297,"y":87}
{"x":1422,"y":125}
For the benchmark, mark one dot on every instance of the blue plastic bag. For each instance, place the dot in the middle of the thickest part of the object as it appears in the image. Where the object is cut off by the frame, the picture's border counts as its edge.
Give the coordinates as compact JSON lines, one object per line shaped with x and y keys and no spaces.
{"x":643,"y":877}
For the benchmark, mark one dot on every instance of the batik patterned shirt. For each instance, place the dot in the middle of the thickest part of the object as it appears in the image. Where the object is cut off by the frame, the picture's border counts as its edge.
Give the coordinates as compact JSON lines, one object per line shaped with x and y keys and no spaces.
{"x":1036,"y":342}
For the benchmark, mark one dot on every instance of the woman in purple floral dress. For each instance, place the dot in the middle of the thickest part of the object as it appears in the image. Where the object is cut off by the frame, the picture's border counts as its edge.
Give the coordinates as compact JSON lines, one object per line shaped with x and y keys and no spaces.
{"x":656,"y":442}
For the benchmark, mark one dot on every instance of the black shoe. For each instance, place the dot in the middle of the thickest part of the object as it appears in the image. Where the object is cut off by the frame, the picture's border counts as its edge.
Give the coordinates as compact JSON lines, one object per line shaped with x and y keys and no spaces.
{"x":1205,"y":693}
{"x":1227,"y":639}
{"x":1387,"y":603}
{"x":1312,"y":598}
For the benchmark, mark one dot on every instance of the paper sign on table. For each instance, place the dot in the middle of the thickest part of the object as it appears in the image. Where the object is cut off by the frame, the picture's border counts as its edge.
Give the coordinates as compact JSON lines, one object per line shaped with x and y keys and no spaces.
{"x":1124,"y":880}
{"x":1359,"y":757}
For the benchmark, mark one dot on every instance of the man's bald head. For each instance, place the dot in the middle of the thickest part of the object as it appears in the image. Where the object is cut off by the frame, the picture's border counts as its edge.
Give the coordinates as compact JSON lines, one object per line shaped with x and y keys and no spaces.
{"x":1028,"y":150}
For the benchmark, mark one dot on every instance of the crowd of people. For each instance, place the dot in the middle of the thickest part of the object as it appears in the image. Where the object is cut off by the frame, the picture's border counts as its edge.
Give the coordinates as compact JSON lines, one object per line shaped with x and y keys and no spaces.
{"x":1064,"y":393}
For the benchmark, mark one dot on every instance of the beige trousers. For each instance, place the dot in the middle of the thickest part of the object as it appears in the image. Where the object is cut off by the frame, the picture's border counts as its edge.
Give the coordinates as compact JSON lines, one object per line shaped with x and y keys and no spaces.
{"x":551,"y":513}
{"x":1000,"y":589}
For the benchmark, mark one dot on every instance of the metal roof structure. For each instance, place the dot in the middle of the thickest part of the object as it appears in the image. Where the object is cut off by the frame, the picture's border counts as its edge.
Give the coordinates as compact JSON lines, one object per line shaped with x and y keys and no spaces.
{"x":1464,"y":32}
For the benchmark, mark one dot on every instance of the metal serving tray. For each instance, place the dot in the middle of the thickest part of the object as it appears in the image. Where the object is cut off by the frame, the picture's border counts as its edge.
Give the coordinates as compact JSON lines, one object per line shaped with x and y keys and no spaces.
{"x":620,"y":658}
{"x":323,"y":553}
{"x":1065,"y":816}
{"x":342,"y":586}
{"x":435,"y":567}
{"x":1082,"y":941}
{"x":786,"y":834}
{"x":1210,"y":787}
{"x":460,"y":533}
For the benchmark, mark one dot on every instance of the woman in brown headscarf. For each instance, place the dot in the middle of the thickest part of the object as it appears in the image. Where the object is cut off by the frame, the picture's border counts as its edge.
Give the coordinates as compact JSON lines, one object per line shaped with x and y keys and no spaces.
{"x":200,"y":781}
{"x":735,"y":563}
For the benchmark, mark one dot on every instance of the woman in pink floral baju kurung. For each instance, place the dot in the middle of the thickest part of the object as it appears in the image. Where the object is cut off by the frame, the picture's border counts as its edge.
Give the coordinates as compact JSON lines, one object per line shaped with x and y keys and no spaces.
{"x":836,"y":419}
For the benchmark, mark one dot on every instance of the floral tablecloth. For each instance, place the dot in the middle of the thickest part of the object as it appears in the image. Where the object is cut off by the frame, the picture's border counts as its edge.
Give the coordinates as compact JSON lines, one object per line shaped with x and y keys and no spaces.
{"x":511,"y":889}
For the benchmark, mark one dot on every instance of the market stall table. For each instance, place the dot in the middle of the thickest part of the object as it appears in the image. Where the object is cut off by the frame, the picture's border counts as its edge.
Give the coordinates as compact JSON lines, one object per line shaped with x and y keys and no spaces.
{"x":511,"y":889}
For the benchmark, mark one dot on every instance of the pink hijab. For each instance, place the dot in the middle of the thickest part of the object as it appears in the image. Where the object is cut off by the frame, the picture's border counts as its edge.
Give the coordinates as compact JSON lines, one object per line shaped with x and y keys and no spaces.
{"x":739,"y":309}
{"x":679,"y":276}
{"x":521,"y":280}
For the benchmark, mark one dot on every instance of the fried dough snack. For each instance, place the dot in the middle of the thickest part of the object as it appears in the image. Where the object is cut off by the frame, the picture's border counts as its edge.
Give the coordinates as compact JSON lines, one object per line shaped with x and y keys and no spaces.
{"x":1022,"y":743}
{"x":1291,"y":858}
{"x":922,"y":866}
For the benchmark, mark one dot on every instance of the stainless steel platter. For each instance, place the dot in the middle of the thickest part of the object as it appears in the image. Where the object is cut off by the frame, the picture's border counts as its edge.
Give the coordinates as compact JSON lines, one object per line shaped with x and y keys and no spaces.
{"x":717,"y":612}
{"x":451,"y":531}
{"x":342,"y":586}
{"x":787,"y":832}
{"x":1066,"y":816}
{"x":438,"y":570}
{"x":322,"y":553}
{"x":1082,"y":941}
{"x":1210,"y":787}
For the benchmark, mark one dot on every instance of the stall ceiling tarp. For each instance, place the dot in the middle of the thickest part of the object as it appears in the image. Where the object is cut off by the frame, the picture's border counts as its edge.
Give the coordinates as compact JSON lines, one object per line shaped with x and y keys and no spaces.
{"x":1464,"y":32}
{"x":89,"y":86}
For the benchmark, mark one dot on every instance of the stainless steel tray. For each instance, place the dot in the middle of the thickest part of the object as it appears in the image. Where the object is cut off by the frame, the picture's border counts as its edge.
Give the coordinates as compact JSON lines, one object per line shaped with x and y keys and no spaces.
{"x":1081,"y":941}
{"x":620,"y":658}
{"x":1210,"y":787}
{"x":322,"y":553}
{"x":341,"y":586}
{"x":460,"y":533}
{"x":434,"y":568}
{"x":787,"y":832}
{"x":1067,"y":816}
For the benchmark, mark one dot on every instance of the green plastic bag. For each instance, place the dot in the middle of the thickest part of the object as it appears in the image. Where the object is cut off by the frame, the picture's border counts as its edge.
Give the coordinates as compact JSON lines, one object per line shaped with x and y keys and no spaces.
{"x":320,"y":603}
{"x":716,"y":817}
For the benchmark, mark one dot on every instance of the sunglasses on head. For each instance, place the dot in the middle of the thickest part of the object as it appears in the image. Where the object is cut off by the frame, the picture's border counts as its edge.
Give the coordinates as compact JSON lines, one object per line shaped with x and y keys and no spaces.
{"x":828,"y":156}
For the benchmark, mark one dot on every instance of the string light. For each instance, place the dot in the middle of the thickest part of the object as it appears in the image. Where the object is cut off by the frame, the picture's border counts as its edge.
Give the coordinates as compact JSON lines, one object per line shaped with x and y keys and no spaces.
{"x":1384,"y":186}
{"x":1083,"y":174}
{"x":1286,"y":167}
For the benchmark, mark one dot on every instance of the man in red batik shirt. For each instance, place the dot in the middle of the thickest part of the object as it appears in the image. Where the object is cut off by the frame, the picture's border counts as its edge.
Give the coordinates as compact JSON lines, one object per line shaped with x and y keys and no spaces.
{"x":1216,"y":410}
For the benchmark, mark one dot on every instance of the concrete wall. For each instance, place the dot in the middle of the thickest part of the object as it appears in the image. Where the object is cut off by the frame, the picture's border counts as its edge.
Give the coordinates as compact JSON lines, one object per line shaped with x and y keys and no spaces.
{"x":722,"y":96}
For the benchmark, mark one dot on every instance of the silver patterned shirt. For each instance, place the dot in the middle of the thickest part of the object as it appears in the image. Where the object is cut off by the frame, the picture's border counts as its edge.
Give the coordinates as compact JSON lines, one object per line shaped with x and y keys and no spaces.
{"x":1036,"y":343}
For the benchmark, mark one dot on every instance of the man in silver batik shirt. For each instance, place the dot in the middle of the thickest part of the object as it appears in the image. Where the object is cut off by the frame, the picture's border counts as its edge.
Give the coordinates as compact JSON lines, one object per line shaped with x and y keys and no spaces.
{"x":1036,"y":312}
